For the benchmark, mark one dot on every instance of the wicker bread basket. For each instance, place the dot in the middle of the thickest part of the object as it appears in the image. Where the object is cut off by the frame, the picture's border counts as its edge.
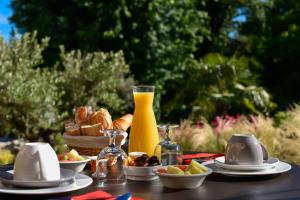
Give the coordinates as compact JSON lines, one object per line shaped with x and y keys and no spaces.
{"x":91,"y":145}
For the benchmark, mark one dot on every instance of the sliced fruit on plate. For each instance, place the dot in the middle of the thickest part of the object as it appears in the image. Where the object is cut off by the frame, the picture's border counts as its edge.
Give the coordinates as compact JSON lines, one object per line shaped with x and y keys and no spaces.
{"x":187,"y":173}
{"x":198,"y":165}
{"x":162,"y":170}
{"x":70,"y":156}
{"x":174,"y":170}
{"x":182,"y":167}
{"x":195,"y":170}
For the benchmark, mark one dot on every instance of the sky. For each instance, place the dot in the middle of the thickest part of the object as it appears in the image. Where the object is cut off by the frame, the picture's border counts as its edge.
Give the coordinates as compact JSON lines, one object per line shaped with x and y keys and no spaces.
{"x":5,"y":13}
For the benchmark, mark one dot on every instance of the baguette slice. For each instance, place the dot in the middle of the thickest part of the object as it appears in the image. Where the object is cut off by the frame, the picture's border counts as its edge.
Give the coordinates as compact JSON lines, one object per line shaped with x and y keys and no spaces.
{"x":73,"y":130}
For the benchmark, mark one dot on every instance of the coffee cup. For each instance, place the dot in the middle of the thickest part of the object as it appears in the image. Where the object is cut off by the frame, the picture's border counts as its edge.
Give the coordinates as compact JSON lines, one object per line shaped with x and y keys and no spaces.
{"x":36,"y":162}
{"x":243,"y":149}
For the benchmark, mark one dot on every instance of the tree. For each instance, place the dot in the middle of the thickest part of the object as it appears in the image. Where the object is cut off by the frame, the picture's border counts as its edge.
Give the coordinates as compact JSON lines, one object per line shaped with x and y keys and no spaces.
{"x":156,"y":36}
{"x":275,"y":44}
{"x":160,"y":38}
{"x":218,"y":85}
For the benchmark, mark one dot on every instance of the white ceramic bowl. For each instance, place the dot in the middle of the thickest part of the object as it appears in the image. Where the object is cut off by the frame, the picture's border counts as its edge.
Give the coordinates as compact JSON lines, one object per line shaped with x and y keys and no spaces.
{"x":76,"y":166}
{"x":141,"y":173}
{"x":176,"y":181}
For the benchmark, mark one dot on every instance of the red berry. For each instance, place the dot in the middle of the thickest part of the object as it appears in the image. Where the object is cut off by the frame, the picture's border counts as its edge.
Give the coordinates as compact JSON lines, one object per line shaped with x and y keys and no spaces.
{"x":162,"y":170}
{"x":182,"y":167}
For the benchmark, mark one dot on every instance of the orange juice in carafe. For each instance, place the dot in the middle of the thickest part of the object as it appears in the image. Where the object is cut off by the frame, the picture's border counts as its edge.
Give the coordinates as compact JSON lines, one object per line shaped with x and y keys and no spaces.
{"x":143,"y":133}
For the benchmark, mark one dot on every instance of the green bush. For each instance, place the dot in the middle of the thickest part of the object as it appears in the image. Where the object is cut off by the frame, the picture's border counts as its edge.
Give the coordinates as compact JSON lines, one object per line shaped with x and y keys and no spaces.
{"x":96,"y":79}
{"x":34,"y":101}
{"x":218,"y":85}
{"x":29,"y":97}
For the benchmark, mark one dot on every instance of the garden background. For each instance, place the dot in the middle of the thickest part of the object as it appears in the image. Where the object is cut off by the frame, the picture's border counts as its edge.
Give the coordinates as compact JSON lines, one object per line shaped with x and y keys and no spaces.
{"x":219,"y":67}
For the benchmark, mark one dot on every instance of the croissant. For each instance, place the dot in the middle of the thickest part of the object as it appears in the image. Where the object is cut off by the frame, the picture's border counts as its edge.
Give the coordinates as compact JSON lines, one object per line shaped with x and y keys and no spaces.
{"x":123,"y":123}
{"x":101,"y":117}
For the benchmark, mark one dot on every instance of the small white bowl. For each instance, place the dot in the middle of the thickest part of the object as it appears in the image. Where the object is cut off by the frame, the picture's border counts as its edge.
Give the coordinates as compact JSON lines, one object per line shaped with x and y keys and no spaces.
{"x":76,"y":166}
{"x":141,"y":173}
{"x":176,"y":181}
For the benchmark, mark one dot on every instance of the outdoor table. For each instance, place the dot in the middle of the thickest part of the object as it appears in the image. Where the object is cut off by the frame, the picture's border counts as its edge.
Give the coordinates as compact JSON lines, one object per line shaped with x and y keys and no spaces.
{"x":282,"y":186}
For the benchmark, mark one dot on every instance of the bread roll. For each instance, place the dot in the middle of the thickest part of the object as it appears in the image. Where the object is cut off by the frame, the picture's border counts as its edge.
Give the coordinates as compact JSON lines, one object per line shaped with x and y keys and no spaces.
{"x":101,"y":117}
{"x":81,"y":114}
{"x":123,"y":123}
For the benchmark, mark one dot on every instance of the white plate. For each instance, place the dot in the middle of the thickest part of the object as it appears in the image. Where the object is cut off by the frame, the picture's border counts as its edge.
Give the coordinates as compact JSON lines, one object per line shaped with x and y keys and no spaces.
{"x":280,"y":168}
{"x":270,"y":163}
{"x":81,"y":181}
{"x":7,"y":177}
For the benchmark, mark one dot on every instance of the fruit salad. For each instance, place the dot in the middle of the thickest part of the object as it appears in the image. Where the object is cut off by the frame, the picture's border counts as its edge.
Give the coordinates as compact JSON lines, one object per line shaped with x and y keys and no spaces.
{"x":193,"y":168}
{"x":70,"y":156}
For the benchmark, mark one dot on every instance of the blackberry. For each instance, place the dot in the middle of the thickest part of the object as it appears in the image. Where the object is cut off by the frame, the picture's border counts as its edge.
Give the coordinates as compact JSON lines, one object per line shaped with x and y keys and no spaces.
{"x":153,"y":161}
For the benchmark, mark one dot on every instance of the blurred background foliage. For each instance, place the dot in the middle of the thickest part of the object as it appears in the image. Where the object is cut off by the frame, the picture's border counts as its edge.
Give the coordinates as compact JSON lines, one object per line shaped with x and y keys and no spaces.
{"x":206,"y":58}
{"x":275,"y":44}
{"x":6,"y":157}
{"x":280,"y":134}
{"x":219,"y":84}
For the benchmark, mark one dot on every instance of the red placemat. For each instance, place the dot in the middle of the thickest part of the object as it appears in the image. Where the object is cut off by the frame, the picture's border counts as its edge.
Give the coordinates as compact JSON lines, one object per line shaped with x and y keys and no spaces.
{"x":99,"y":195}
{"x":200,"y":157}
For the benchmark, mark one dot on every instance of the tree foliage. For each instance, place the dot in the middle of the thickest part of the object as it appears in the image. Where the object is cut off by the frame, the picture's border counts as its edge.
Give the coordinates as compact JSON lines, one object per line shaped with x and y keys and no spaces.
{"x":162,"y":41}
{"x":156,"y":36}
{"x":275,"y":44}
{"x":217,"y":85}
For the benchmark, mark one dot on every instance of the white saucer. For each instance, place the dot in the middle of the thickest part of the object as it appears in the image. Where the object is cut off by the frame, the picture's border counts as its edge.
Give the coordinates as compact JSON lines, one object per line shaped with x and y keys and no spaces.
{"x":267,"y":164}
{"x":7,"y":177}
{"x":280,"y":168}
{"x":80,"y":181}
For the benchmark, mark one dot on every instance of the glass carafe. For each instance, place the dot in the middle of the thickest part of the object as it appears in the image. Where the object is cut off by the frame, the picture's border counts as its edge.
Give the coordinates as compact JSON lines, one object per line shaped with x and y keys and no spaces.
{"x":110,"y":162}
{"x":168,"y":151}
{"x":143,"y":133}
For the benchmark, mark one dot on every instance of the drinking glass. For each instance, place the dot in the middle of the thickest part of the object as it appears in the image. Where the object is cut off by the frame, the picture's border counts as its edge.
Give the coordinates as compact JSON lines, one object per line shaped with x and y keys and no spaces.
{"x":110,"y":162}
{"x":168,"y":151}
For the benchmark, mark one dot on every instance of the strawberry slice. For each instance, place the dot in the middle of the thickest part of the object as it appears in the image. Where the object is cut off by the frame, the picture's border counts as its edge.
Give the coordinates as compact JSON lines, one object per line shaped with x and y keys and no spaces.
{"x":162,"y":170}
{"x":59,"y":157}
{"x":182,"y":167}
